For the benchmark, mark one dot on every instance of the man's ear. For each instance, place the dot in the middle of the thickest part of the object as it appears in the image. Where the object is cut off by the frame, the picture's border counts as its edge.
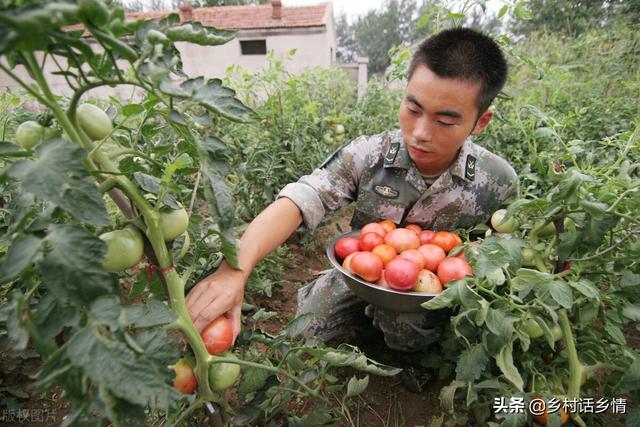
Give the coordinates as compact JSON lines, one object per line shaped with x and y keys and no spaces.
{"x":482,"y":122}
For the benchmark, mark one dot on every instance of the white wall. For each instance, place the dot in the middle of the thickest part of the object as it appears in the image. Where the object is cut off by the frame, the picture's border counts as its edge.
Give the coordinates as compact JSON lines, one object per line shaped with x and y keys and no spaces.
{"x":315,"y":47}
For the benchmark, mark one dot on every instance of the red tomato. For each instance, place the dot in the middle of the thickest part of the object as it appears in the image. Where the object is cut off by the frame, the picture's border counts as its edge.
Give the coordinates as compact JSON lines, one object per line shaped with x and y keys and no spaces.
{"x":218,"y":336}
{"x":346,"y":264}
{"x":446,"y":240}
{"x":453,"y":268}
{"x":388,"y":225}
{"x":367,"y":265}
{"x":385,"y":252}
{"x":346,"y":246}
{"x":185,"y":381}
{"x":373,"y":227}
{"x":542,"y":418}
{"x":414,"y":227}
{"x":401,"y":274}
{"x":368,"y":241}
{"x":428,"y":283}
{"x":433,"y":256}
{"x":415,"y":256}
{"x":426,"y":236}
{"x":402,"y":239}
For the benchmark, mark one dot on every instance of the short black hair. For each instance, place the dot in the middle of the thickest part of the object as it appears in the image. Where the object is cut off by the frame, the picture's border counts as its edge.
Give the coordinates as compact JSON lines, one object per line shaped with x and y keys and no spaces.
{"x":467,"y":54}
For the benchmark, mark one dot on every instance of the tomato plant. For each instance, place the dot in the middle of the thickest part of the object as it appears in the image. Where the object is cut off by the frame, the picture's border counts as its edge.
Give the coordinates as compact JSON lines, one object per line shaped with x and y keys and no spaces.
{"x":92,"y":187}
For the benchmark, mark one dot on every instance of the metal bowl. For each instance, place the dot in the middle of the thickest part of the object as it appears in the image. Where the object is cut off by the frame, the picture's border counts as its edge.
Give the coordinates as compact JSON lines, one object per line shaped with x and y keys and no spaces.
{"x":387,"y":299}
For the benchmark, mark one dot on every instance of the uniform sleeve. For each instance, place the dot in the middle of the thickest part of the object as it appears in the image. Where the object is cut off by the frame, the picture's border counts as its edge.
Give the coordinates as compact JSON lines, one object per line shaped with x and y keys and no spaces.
{"x":332,"y":185}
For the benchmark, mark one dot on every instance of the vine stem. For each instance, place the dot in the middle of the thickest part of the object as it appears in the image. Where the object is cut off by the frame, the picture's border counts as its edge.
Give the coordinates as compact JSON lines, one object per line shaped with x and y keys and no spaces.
{"x":609,"y":249}
{"x":175,"y":285}
{"x":275,"y":370}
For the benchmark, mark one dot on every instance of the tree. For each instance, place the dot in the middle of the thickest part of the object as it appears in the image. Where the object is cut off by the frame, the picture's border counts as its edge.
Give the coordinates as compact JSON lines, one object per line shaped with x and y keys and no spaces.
{"x":380,"y":30}
{"x":347,"y":50}
{"x":575,"y":17}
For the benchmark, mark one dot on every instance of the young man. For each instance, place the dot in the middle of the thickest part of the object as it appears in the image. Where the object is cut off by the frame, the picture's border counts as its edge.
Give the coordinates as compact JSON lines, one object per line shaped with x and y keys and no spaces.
{"x":429,"y":172}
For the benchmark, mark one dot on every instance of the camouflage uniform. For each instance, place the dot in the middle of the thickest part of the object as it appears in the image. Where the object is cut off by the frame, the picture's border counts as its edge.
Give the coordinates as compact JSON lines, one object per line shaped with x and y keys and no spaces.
{"x":379,"y":175}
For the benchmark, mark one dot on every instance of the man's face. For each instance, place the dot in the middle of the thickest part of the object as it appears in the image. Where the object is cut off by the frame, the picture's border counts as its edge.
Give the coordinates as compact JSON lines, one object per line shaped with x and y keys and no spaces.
{"x":436,"y":116}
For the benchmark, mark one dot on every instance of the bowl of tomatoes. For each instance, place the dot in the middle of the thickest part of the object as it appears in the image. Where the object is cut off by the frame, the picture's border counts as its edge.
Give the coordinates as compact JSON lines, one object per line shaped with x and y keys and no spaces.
{"x":398,"y":268}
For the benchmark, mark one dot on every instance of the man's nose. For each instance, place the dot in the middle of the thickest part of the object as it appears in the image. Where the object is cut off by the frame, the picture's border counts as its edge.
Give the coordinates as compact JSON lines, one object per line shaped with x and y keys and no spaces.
{"x":422,"y":130}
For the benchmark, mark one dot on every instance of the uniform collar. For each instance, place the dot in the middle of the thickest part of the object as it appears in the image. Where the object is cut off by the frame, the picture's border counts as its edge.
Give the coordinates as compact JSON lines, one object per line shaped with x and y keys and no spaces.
{"x":463,"y":166}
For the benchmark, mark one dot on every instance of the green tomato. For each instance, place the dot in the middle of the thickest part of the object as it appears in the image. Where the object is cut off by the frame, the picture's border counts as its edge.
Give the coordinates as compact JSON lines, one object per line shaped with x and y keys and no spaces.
{"x":173,"y":223}
{"x":29,"y":134}
{"x":533,"y":258}
{"x":500,"y":225}
{"x":124,"y":249}
{"x":328,"y":138}
{"x":93,"y":121}
{"x":556,"y":331}
{"x":223,"y":375}
{"x":339,"y":129}
{"x":531,"y":328}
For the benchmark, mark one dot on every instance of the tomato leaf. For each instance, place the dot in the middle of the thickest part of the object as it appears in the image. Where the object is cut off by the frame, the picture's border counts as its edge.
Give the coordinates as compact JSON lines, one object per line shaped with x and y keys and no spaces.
{"x":151,"y":313}
{"x":630,"y":381}
{"x":11,"y":314}
{"x":356,"y":386}
{"x":504,"y":360}
{"x":57,"y":175}
{"x":212,"y":95}
{"x":253,"y":379}
{"x":153,"y":185}
{"x":472,"y":363}
{"x":561,"y":293}
{"x":112,"y":364}
{"x":52,"y":316}
{"x":20,"y":255}
{"x":447,"y":395}
{"x":71,"y":269}
{"x":195,"y":32}
{"x":614,"y":332}
{"x":320,"y":416}
{"x":298,"y":325}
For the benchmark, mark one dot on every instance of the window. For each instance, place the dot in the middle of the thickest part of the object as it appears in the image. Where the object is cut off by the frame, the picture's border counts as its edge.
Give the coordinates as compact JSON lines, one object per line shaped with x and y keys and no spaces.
{"x":253,"y":47}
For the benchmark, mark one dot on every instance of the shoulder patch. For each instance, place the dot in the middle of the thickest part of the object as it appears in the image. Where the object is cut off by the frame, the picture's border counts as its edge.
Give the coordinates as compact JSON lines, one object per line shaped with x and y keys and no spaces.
{"x":390,"y":157}
{"x":470,"y":168}
{"x":386,"y":191}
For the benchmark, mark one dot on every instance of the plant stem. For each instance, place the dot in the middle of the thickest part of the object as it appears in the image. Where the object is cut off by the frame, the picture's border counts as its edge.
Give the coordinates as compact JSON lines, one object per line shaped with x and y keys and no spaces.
{"x":575,"y":366}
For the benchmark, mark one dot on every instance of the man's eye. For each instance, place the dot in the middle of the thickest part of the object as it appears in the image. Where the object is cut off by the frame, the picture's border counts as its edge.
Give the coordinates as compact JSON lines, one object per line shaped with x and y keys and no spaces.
{"x":414,"y":112}
{"x":445,"y":124}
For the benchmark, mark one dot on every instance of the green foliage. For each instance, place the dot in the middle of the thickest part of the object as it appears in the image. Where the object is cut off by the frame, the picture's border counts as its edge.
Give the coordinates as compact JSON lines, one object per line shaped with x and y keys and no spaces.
{"x":573,"y":18}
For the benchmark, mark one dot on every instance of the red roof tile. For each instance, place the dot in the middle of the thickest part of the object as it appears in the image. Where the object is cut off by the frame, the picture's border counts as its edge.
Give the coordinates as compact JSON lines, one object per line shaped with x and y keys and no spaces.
{"x":250,"y":17}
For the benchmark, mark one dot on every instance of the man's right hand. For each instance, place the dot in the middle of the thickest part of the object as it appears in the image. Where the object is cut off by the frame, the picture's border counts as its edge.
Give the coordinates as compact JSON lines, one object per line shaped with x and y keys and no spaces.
{"x":222,"y":292}
{"x":219,"y":293}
